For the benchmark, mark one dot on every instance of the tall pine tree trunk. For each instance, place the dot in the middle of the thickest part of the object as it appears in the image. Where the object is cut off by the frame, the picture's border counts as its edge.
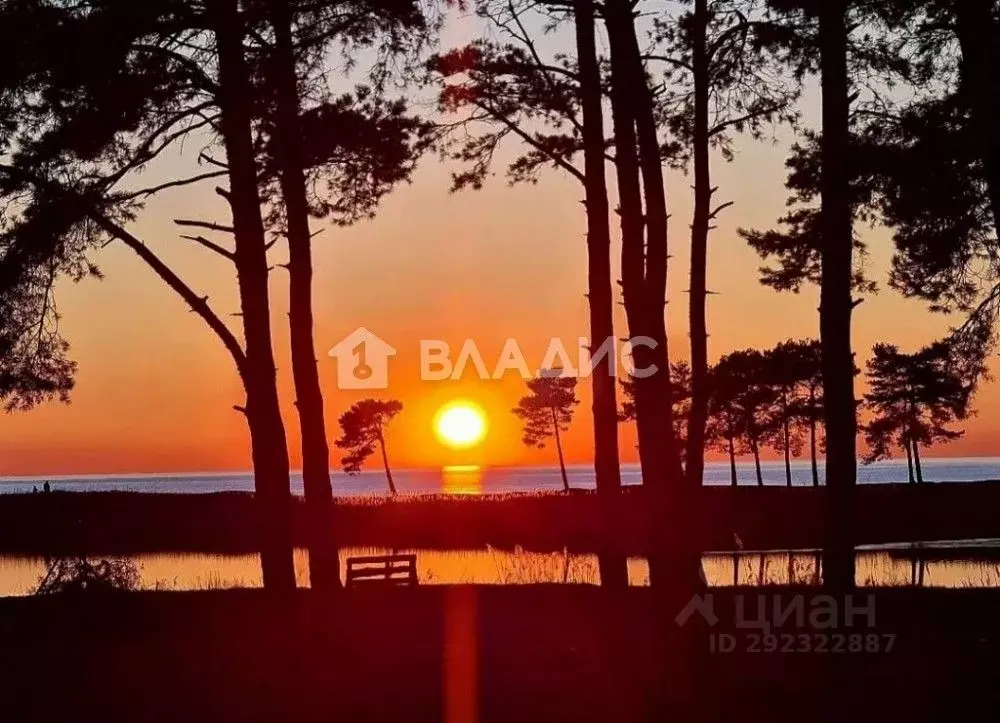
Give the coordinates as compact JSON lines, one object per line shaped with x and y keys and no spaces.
{"x":978,"y":29}
{"x":788,"y":448}
{"x":907,"y":443}
{"x":836,"y":304}
{"x":633,"y":266}
{"x":559,"y":449}
{"x":267,"y":431}
{"x":599,"y":286}
{"x":385,"y":463}
{"x":813,"y":446}
{"x":657,"y":260}
{"x":756,"y":462}
{"x":644,"y":256}
{"x":698,"y":415}
{"x":916,"y":462}
{"x":732,"y":463}
{"x":675,"y":564}
{"x":613,"y":566}
{"x":324,"y":561}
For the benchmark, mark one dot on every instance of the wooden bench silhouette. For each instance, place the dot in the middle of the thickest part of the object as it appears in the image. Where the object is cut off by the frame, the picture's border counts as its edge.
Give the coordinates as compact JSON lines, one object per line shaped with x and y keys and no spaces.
{"x":395,"y":570}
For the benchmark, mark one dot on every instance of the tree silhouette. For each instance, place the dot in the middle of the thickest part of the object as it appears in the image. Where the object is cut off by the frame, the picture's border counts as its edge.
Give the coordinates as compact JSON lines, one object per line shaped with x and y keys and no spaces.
{"x":236,"y":130}
{"x":220,"y":71}
{"x":547,"y":411}
{"x":335,"y":157}
{"x":768,"y":398}
{"x":793,"y":371}
{"x":976,"y":24}
{"x":914,"y":399}
{"x":935,"y":164}
{"x":722,"y":80}
{"x":680,"y":400}
{"x":950,"y":134}
{"x":796,"y":31}
{"x":34,"y":362}
{"x":723,"y":428}
{"x":599,"y":285}
{"x":742,"y":406}
{"x":824,"y":37}
{"x":363,"y":428}
{"x":754,"y":403}
{"x":87,"y":122}
{"x":808,"y":408}
{"x":552,"y":107}
{"x":643,"y":218}
{"x":784,"y":436}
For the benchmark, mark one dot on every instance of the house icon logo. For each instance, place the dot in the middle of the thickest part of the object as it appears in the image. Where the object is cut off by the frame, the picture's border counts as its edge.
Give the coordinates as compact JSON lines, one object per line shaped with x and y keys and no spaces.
{"x":362,"y":361}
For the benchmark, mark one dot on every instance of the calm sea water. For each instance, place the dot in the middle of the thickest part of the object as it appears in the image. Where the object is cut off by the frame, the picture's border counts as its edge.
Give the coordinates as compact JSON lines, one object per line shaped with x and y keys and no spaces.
{"x":475,"y":480}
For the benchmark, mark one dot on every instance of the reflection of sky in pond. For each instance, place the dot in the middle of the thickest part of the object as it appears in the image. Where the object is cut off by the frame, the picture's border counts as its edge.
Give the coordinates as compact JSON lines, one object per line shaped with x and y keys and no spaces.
{"x":19,"y":575}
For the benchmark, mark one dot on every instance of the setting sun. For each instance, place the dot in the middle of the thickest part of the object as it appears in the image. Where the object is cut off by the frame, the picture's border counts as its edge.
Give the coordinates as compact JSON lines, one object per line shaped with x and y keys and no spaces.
{"x":460,"y":424}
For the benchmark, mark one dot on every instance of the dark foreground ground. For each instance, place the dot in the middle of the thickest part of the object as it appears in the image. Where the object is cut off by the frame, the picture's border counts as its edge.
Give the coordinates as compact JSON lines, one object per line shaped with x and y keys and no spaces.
{"x":489,"y":654}
{"x":762,"y":518}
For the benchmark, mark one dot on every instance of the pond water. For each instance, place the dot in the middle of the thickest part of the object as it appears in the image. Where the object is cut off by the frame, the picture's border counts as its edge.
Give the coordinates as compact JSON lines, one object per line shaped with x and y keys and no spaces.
{"x":928,"y":565}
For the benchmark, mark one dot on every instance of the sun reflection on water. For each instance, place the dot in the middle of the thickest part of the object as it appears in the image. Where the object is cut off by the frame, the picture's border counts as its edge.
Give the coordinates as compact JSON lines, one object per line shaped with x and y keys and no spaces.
{"x":462,"y":479}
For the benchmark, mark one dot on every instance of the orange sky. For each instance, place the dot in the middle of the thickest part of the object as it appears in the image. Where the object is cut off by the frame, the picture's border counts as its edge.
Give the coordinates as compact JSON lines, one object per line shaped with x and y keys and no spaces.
{"x":155,"y":389}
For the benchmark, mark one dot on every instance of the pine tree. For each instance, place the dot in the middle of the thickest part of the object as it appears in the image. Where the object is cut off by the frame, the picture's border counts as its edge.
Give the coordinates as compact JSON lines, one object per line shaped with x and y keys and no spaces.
{"x":722,"y":79}
{"x":363,"y":429}
{"x":547,"y":412}
{"x":34,"y":358}
{"x":742,"y":406}
{"x":551,"y":109}
{"x":333,"y":158}
{"x":680,"y":400}
{"x":914,"y":399}
{"x":792,"y":370}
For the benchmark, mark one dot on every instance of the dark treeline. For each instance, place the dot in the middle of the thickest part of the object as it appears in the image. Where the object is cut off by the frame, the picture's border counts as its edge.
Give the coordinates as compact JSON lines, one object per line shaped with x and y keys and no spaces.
{"x":756,"y":399}
{"x":769,"y":518}
{"x":256,"y":87}
{"x":773,"y":400}
{"x":914,"y":399}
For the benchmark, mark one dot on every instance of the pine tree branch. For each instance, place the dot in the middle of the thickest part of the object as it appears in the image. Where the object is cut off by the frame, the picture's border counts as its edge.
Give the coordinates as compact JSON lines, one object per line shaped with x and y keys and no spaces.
{"x":201,"y":240}
{"x":197,"y":303}
{"x":189,"y":223}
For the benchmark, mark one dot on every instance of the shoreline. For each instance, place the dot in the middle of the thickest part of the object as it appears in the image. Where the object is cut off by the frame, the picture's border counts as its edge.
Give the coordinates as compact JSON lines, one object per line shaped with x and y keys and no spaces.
{"x":499,"y":478}
{"x":761,"y":517}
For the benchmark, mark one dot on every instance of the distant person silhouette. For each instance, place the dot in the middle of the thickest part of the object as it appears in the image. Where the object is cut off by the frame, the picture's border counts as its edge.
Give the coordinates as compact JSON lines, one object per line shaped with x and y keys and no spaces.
{"x":46,"y":487}
{"x":34,"y":490}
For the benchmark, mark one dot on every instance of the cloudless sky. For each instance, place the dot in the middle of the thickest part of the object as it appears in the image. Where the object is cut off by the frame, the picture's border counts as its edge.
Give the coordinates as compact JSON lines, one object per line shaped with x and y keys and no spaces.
{"x":156,"y":389}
